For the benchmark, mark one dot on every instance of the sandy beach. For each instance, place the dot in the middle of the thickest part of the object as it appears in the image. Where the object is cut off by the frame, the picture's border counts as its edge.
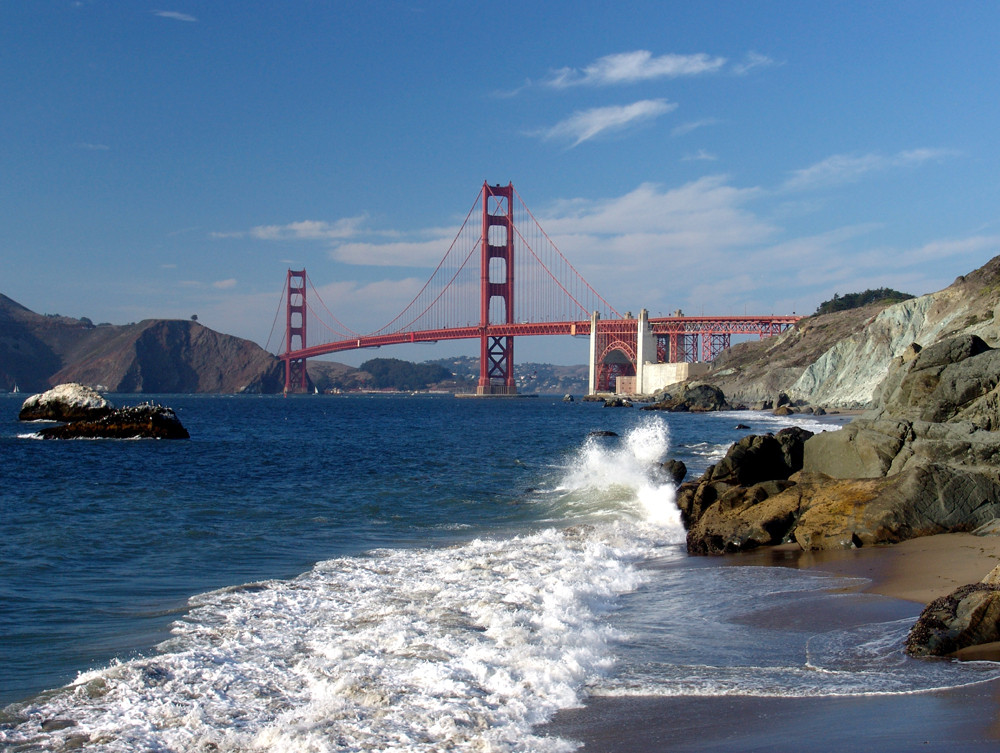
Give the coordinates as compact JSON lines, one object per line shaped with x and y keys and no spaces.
{"x":907,"y":576}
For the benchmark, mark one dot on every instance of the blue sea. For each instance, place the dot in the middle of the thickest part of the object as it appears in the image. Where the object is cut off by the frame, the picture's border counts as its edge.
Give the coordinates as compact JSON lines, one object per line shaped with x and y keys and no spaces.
{"x":405,"y":573}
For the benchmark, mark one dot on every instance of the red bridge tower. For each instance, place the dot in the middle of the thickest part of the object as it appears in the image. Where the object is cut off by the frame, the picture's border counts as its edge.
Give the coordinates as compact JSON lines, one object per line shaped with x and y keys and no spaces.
{"x":496,"y":354}
{"x":295,"y":327}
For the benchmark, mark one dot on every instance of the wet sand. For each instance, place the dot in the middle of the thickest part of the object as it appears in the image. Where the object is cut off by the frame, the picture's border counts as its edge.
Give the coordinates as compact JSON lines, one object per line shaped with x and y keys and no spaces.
{"x":909,"y":574}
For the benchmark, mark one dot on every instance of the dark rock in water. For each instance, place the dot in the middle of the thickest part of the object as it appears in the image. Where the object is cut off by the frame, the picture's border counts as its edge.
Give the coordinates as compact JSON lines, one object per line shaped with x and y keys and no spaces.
{"x":142,"y":421}
{"x":567,"y":398}
{"x":697,"y":398}
{"x":65,"y":402}
{"x":54,"y":725}
{"x":602,"y":433}
{"x":741,"y":426}
{"x":618,"y":402}
{"x":968,"y":616}
{"x":675,"y":469}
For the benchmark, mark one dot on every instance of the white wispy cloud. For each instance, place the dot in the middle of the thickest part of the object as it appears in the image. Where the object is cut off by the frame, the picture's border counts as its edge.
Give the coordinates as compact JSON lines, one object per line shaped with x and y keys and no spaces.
{"x":700,"y":156}
{"x":425,"y":253}
{"x":938,"y":249}
{"x":846,"y":168}
{"x":708,"y":212}
{"x":752,"y":61}
{"x":225,"y":284}
{"x":93,"y":147}
{"x":310,"y":229}
{"x":685,"y":128}
{"x":174,"y":15}
{"x":307,"y":230}
{"x":584,"y":125}
{"x":638,"y":65}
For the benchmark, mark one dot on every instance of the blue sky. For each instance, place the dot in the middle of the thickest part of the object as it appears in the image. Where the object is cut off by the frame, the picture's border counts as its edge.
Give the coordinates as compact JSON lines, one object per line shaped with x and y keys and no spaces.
{"x":163,"y":159}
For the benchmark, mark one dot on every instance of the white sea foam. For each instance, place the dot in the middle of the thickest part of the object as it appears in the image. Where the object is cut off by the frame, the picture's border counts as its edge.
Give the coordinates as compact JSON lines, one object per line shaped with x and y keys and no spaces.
{"x":460,"y":648}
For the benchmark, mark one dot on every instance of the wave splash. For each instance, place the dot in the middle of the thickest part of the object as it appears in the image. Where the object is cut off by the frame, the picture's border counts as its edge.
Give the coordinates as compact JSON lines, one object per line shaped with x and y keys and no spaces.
{"x":625,"y":477}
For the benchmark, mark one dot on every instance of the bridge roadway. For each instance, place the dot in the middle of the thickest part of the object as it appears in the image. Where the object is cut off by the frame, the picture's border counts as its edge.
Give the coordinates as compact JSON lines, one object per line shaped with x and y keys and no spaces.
{"x":762,"y":326}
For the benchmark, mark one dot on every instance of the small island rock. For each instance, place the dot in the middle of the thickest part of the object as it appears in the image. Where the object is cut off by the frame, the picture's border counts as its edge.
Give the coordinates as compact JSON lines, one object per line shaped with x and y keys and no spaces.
{"x":65,"y":402}
{"x":142,"y":421}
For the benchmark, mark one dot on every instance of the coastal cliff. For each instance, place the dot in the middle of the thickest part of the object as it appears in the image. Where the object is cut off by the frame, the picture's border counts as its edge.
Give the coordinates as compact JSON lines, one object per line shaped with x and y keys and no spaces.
{"x":840,"y":359}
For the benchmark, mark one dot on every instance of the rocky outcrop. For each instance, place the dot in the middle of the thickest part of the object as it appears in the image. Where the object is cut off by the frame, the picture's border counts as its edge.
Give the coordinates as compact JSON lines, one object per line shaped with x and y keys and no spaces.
{"x":65,"y":402}
{"x":923,"y":501}
{"x":968,"y":616}
{"x":729,"y":508}
{"x":923,"y":462}
{"x":696,"y":397}
{"x":617,"y":402}
{"x":145,"y":421}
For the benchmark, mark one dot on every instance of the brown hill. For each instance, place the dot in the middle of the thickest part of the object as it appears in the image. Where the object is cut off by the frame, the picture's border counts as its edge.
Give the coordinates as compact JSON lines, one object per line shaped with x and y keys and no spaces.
{"x":38,"y":351}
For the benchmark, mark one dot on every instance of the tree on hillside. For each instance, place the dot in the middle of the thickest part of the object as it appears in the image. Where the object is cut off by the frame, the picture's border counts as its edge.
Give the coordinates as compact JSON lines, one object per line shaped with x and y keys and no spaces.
{"x":857,"y":300}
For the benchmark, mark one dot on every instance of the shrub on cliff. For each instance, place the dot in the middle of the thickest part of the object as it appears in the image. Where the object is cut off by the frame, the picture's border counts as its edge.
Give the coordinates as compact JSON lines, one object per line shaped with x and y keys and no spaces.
{"x":857,"y":300}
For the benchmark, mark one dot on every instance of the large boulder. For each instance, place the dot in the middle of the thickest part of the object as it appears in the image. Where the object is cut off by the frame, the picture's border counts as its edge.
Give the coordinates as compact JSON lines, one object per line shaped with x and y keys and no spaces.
{"x":65,"y":402}
{"x":743,"y":518}
{"x":675,"y":469}
{"x":142,"y":421}
{"x":862,"y":449}
{"x":968,"y":616}
{"x":754,"y":469}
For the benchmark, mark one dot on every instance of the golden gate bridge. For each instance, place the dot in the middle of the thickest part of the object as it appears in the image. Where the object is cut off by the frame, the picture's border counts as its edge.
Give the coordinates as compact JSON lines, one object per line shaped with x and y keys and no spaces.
{"x":501,"y":278}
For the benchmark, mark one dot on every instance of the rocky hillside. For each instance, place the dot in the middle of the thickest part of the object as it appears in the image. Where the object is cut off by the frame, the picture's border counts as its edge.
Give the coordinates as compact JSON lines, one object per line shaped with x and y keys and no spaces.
{"x":840,"y":359}
{"x":38,"y":351}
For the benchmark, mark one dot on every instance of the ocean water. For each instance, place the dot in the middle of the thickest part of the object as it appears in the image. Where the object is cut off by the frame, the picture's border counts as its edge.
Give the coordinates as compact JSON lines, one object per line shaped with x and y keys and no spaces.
{"x":406,"y":573}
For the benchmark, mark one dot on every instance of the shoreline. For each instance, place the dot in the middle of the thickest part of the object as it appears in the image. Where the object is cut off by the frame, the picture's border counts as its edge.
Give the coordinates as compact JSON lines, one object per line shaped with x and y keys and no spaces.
{"x":918,"y":570}
{"x":912,"y":573}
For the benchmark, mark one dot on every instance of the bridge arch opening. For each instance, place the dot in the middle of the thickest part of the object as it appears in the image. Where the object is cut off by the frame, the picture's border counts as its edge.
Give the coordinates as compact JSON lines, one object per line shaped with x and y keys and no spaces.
{"x":614,"y":363}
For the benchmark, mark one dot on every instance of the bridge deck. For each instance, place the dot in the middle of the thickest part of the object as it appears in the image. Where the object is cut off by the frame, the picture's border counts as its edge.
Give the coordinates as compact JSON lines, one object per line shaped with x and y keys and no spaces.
{"x":762,"y":326}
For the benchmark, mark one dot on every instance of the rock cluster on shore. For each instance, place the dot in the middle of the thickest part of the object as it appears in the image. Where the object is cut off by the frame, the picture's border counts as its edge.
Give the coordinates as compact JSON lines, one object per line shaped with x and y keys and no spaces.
{"x":923,"y":461}
{"x":91,"y":416}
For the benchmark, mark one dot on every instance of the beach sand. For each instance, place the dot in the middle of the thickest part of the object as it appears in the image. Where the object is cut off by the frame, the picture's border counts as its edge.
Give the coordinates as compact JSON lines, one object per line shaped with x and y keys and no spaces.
{"x":910,"y":574}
